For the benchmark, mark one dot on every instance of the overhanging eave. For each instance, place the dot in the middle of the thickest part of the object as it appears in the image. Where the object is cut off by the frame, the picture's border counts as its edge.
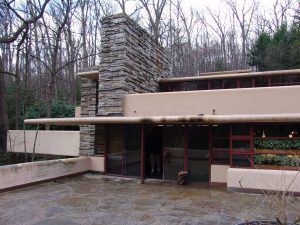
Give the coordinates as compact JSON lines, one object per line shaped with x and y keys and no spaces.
{"x":201,"y":119}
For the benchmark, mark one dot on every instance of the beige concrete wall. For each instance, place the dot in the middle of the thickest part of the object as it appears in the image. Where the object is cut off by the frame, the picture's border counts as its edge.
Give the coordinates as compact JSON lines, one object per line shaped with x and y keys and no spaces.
{"x":48,"y":142}
{"x":218,"y":173}
{"x":259,"y":179}
{"x":97,"y":163}
{"x":231,"y":101}
{"x":25,"y":173}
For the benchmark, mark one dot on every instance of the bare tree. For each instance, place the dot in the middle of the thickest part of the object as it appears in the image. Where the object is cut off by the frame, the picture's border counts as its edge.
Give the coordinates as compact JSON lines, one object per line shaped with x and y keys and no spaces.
{"x":3,"y":116}
{"x":61,"y":12}
{"x":280,"y":10}
{"x":154,"y":9}
{"x":26,"y":22}
{"x":244,"y":16}
{"x":188,"y":24}
{"x":220,"y":29}
{"x":8,"y":38}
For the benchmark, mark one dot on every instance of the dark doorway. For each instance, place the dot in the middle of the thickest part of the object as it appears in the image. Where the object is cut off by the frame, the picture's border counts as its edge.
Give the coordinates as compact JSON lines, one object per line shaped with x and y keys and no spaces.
{"x":198,"y":153}
{"x":153,"y":152}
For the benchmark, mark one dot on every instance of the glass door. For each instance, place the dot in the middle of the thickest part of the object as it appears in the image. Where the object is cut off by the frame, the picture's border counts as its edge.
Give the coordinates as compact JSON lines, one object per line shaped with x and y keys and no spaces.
{"x":173,"y":151}
{"x":132,"y":154}
{"x":114,"y":155}
{"x":198,"y":153}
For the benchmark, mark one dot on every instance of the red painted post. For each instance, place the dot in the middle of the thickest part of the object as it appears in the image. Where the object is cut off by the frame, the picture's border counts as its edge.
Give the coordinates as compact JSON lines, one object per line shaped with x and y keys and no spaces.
{"x":253,"y":82}
{"x":269,"y":82}
{"x":238,"y":83}
{"x":208,"y":84}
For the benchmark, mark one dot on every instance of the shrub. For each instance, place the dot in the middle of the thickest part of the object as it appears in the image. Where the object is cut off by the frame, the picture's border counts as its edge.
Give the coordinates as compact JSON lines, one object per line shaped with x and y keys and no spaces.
{"x":270,"y":159}
{"x":276,"y":144}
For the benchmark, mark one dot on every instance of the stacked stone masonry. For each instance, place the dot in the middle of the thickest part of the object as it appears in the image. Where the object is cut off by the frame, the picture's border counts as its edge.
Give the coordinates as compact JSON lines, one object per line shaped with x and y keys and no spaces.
{"x":131,"y":62}
{"x":88,"y":109}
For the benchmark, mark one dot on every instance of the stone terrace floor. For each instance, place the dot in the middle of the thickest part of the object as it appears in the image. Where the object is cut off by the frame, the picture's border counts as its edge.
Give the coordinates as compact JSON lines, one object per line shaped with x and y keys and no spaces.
{"x":96,"y":199}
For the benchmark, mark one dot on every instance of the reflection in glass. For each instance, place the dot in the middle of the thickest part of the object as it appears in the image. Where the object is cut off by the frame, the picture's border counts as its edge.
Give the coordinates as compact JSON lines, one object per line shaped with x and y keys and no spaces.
{"x":174,"y":152}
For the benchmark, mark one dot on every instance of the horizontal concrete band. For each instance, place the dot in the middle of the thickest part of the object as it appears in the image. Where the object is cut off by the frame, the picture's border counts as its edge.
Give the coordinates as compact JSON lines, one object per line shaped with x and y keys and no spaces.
{"x":231,"y":76}
{"x":201,"y":119}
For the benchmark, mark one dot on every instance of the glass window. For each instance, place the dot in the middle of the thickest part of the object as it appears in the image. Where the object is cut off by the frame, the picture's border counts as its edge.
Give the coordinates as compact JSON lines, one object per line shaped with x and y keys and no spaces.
{"x":189,"y":86}
{"x":241,"y":145}
{"x":175,"y":86}
{"x":216,"y":84}
{"x":221,"y":145}
{"x":164,"y":87}
{"x":246,"y":82}
{"x":277,"y":130}
{"x":261,"y":82}
{"x":280,"y":81}
{"x":241,"y":160}
{"x":202,"y":85}
{"x":294,"y":79}
{"x":240,"y":130}
{"x":221,"y":131}
{"x":230,"y":83}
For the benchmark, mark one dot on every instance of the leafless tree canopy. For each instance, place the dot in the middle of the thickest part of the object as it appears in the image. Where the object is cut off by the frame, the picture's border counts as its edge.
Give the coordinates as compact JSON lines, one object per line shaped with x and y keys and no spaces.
{"x":45,"y":42}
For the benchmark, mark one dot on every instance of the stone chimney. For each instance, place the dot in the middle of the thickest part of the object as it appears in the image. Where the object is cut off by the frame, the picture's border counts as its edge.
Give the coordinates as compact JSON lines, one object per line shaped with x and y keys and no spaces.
{"x":131,"y":62}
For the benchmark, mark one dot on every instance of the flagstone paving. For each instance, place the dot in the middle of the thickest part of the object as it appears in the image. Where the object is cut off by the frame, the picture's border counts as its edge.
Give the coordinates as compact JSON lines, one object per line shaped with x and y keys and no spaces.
{"x":100,"y":200}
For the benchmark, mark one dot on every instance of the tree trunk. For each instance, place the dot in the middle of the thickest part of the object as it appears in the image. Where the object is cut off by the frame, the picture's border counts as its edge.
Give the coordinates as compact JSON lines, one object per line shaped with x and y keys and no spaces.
{"x":17,"y":93}
{"x":3,"y":116}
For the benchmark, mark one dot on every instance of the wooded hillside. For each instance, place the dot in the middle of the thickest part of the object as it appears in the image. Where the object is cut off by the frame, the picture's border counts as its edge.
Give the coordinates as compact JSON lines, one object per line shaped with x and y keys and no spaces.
{"x":44,"y":43}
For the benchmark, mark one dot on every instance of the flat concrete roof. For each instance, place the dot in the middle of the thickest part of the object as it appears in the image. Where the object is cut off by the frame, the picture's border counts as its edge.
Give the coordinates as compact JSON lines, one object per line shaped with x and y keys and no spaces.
{"x":191,"y":119}
{"x":92,"y":74}
{"x":231,"y":76}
